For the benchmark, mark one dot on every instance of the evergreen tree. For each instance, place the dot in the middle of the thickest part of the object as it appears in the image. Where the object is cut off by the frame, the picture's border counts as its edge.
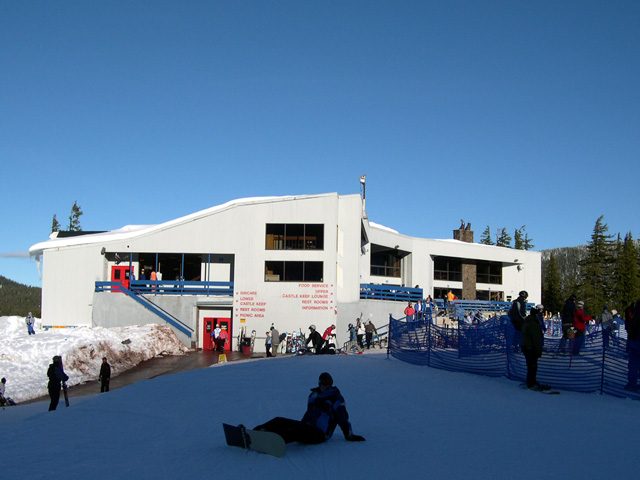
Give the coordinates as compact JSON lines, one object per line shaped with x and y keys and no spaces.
{"x":486,"y":237}
{"x":503,"y":238}
{"x":518,"y":242}
{"x":596,"y":287}
{"x":627,"y":286}
{"x":552,"y":297}
{"x":55,"y":225}
{"x":74,"y":218}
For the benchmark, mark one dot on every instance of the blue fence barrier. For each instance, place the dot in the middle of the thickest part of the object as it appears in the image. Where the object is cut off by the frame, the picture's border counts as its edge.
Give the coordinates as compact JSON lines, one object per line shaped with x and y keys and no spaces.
{"x":492,"y":348}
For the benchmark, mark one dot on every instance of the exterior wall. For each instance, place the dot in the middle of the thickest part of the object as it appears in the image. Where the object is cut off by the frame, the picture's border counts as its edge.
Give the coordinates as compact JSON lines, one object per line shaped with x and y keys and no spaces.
{"x":237,"y":230}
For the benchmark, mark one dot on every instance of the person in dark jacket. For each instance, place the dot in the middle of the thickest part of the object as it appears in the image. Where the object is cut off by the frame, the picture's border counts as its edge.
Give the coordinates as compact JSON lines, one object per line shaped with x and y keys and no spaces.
{"x":532,"y":339}
{"x":633,"y":348}
{"x":316,"y":340}
{"x":325,"y":411}
{"x":105,"y":375}
{"x":518,"y":310}
{"x":568,"y":314}
{"x":56,"y":378}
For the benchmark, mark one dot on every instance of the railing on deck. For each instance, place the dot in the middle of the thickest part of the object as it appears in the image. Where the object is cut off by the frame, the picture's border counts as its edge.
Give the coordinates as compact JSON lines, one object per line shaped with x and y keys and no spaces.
{"x":394,"y":293}
{"x":170,"y":287}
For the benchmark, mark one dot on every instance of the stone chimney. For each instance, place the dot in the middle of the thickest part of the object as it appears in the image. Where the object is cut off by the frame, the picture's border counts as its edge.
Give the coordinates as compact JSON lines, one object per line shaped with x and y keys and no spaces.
{"x":464,"y":233}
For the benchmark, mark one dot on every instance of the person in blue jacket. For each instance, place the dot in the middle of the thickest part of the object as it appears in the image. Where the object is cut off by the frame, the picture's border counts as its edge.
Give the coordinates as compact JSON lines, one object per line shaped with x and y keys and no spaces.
{"x":325,"y":411}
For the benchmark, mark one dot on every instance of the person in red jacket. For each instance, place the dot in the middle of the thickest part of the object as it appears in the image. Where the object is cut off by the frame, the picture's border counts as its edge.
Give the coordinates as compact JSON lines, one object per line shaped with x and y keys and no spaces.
{"x":580,"y":320}
{"x":409,"y":312}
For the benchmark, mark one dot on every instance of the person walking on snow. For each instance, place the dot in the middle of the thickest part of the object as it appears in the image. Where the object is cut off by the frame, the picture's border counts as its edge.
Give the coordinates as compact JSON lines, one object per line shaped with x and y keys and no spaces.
{"x":30,"y":321}
{"x":325,"y":411}
{"x":57,"y":377}
{"x":105,"y":375}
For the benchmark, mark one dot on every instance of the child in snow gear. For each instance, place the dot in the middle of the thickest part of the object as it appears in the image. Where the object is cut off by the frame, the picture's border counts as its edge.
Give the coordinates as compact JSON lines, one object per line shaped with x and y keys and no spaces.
{"x":325,"y":411}
{"x":4,"y":400}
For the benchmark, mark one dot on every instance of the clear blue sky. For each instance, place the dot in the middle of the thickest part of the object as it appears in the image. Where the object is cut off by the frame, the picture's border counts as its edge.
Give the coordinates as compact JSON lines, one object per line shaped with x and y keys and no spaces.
{"x":504,"y":113}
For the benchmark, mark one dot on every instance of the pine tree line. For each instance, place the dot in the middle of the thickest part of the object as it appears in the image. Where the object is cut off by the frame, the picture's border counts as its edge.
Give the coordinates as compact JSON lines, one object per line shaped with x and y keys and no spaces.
{"x":19,"y":299}
{"x":521,"y":240}
{"x":74,"y":220}
{"x":604,"y":272}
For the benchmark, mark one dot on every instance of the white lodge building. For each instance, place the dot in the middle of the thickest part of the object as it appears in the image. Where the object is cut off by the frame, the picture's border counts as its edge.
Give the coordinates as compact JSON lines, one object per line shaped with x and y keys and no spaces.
{"x":292,"y":261}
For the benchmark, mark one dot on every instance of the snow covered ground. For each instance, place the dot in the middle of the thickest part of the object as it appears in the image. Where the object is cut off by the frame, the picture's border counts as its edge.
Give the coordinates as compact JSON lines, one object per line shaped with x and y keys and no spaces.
{"x":24,"y":359}
{"x":419,"y":423}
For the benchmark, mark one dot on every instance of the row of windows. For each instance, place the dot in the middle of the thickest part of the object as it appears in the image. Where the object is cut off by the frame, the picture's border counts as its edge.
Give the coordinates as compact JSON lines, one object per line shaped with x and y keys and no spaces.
{"x":292,"y":271}
{"x":294,"y":236}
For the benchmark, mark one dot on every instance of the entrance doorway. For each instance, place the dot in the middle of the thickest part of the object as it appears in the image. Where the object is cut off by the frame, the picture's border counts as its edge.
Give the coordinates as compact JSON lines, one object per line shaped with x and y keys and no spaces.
{"x":122,"y":275}
{"x":208,"y":325}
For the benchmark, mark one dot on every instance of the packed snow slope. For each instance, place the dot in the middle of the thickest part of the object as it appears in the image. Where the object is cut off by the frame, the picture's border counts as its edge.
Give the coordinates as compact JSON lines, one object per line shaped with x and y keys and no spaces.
{"x":418,"y":423}
{"x":24,"y":358}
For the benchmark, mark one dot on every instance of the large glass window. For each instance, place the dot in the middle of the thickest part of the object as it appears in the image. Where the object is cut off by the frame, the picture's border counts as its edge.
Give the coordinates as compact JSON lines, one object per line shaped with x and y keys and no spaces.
{"x":280,"y":271}
{"x":294,"y":236}
{"x":447,"y":268}
{"x":386,"y":262}
{"x":489,"y":272}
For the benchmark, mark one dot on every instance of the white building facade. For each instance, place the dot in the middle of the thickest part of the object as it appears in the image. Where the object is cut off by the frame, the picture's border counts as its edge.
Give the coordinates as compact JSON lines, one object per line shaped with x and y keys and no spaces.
{"x":288,"y":261}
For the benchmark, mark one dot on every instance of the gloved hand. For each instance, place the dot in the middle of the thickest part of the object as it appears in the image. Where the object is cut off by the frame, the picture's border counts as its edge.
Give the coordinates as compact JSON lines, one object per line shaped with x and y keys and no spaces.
{"x":355,"y":438}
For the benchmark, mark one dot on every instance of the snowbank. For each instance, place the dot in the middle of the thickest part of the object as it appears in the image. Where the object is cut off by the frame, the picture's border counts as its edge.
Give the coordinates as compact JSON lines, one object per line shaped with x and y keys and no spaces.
{"x":24,"y":358}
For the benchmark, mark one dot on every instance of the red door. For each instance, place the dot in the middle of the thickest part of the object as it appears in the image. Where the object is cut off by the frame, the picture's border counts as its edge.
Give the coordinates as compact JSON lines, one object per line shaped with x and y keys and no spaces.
{"x":208,"y":326}
{"x":225,"y":323}
{"x":121,"y":275}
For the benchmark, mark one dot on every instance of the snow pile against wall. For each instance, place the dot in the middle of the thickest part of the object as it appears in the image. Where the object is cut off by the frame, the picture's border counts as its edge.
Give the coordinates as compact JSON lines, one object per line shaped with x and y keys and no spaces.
{"x":24,"y":359}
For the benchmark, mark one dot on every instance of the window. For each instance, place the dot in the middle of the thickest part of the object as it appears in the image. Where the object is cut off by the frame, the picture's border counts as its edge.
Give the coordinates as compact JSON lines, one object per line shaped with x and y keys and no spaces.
{"x":446,"y":268}
{"x":386,"y":262}
{"x":279,"y":271}
{"x":294,"y":236}
{"x":489,"y":272}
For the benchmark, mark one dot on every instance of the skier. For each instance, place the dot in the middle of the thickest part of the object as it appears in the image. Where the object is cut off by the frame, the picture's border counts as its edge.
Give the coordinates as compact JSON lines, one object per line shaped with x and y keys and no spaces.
{"x":325,"y":411}
{"x":568,"y":313}
{"x":56,"y":378}
{"x":316,"y":340}
{"x":105,"y":375}
{"x":30,"y":321}
{"x":532,"y":338}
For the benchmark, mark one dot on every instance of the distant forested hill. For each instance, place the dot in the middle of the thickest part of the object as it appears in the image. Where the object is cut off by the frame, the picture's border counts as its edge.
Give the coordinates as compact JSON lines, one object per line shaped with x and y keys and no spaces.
{"x":19,"y":299}
{"x":568,"y":259}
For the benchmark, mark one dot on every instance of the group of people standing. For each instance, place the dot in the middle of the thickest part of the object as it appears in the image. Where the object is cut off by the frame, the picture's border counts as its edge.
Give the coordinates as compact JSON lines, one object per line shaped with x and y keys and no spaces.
{"x":421,"y":310}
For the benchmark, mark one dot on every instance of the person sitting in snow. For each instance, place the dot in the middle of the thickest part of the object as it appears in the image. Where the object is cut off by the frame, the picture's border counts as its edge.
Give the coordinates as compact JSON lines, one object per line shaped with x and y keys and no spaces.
{"x":4,"y":400}
{"x":56,"y":378}
{"x":325,"y":411}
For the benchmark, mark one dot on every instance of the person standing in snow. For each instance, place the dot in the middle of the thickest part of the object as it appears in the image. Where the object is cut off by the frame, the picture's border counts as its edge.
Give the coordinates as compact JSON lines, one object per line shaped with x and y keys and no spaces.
{"x":369,"y":328}
{"x":30,"y":321}
{"x":275,"y":340}
{"x":105,"y":375}
{"x":633,"y":349}
{"x":580,"y":321}
{"x":267,"y":344}
{"x":568,"y":313}
{"x":56,"y":378}
{"x":325,"y":411}
{"x":532,"y":338}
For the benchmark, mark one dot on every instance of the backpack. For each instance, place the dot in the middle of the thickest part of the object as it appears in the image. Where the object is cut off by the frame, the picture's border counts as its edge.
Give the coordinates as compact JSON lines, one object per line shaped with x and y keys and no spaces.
{"x":282,"y":337}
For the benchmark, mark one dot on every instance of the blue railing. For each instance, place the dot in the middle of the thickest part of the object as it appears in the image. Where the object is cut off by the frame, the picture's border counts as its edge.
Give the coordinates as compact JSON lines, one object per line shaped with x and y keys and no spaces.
{"x":492,"y":348}
{"x":394,"y":293}
{"x":170,"y":287}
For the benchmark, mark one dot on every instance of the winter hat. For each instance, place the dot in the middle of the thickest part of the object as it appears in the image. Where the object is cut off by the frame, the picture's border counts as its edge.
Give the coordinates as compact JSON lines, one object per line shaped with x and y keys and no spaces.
{"x":325,"y":379}
{"x":580,"y":303}
{"x":540,"y":307}
{"x":312,"y":327}
{"x":614,"y":312}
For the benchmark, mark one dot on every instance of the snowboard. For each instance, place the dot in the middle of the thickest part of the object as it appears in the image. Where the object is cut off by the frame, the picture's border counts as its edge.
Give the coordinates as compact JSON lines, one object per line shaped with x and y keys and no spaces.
{"x":259,"y":441}
{"x":544,"y":389}
{"x":66,"y":394}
